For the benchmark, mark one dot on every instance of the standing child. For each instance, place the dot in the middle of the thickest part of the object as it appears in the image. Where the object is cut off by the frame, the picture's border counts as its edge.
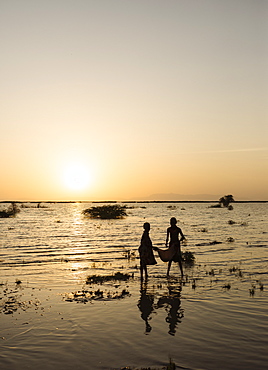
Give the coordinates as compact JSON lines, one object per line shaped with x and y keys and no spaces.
{"x":173,"y":253}
{"x":173,"y":233}
{"x":146,"y":251}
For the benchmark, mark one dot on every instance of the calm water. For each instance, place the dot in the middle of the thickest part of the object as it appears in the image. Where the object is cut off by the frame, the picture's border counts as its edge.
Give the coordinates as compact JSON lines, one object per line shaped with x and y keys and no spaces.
{"x":215,"y":318}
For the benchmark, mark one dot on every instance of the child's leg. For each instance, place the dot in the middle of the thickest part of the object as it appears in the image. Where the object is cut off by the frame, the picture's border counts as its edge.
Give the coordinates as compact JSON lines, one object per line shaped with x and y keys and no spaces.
{"x":141,"y":270}
{"x":180,"y":264}
{"x":145,"y":270}
{"x":169,"y":265}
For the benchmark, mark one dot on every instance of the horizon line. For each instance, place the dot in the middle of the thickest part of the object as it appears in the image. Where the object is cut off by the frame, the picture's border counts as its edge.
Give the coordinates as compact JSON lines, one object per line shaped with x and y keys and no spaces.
{"x":128,"y":201}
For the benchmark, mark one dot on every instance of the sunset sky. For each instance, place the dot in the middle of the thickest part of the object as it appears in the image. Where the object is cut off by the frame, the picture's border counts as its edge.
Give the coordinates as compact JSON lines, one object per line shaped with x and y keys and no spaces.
{"x":122,"y":99}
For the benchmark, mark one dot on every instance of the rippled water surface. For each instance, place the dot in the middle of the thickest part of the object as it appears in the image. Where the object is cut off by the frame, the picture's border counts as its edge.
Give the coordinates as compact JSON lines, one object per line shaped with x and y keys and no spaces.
{"x":216,"y":317}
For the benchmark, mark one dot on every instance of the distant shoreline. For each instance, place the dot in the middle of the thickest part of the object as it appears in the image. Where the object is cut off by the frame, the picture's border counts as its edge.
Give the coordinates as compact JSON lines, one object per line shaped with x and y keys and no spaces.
{"x":126,"y":201}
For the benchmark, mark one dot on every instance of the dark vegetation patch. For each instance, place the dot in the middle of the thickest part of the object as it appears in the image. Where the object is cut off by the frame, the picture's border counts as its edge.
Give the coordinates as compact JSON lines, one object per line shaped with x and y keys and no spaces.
{"x":106,"y":212}
{"x":188,"y":257}
{"x":208,"y":243}
{"x":101,"y":294}
{"x":11,"y":211}
{"x":171,"y":366}
{"x":85,"y":296}
{"x":99,"y":279}
{"x":11,"y":299}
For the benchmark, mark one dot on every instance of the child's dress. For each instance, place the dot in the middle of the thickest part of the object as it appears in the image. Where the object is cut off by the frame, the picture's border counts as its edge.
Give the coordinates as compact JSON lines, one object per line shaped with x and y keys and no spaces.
{"x":146,"y":250}
{"x":173,"y":253}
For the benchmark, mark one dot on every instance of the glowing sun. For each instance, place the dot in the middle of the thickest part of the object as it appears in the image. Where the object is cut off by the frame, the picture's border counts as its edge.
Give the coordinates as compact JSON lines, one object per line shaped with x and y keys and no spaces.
{"x":76,"y":176}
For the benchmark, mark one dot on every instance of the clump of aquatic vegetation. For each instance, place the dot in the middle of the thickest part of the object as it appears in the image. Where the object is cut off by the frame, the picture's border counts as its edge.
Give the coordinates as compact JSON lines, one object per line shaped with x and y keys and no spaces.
{"x":84,"y":296}
{"x":203,"y":230}
{"x":225,"y":202}
{"x":33,"y":205}
{"x":11,"y":211}
{"x":99,"y":279}
{"x":231,"y":222}
{"x":254,"y":287}
{"x":211,"y":272}
{"x":236,"y":270}
{"x":11,"y":299}
{"x":106,"y":212}
{"x":103,"y":294}
{"x":214,"y":242}
{"x":171,"y":366}
{"x":188,"y":257}
{"x":128,"y":254}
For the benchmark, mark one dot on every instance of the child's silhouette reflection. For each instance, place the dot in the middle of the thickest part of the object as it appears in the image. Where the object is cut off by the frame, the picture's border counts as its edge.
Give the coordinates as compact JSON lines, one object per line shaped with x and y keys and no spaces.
{"x":172,"y":303}
{"x":145,"y":305}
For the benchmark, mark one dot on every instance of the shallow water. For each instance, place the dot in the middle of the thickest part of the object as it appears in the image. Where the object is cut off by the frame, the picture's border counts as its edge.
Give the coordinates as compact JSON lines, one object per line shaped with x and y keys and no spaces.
{"x":216,"y":317}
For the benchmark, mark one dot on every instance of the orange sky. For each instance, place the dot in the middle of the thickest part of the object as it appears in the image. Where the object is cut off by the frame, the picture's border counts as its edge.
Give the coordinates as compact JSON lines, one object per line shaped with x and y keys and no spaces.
{"x":121,"y":100}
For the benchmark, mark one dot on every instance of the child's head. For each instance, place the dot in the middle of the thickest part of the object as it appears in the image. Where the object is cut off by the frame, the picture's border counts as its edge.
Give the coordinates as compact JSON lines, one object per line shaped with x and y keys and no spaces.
{"x":173,"y":221}
{"x":146,"y":226}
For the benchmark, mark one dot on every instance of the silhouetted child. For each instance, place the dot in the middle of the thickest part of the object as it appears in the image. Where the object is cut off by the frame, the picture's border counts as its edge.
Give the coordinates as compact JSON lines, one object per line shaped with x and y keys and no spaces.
{"x":173,"y":233}
{"x":173,"y":253}
{"x":146,"y":251}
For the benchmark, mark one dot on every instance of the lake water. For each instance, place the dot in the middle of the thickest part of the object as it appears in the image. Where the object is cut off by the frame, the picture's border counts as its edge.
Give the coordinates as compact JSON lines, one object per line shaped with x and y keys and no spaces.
{"x":216,"y":317}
